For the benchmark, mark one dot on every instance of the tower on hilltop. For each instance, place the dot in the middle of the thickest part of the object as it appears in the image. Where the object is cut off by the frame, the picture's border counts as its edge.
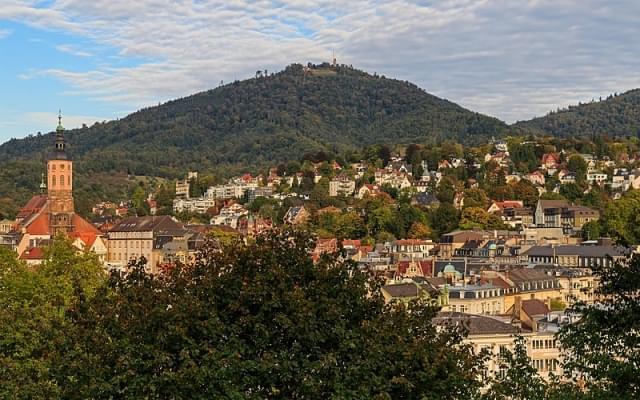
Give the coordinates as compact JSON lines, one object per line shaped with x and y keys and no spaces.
{"x":60,"y":185}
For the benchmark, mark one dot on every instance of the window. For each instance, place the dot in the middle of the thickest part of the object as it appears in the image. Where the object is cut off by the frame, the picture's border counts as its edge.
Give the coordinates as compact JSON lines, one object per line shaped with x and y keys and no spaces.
{"x":53,"y":181}
{"x":61,"y":180}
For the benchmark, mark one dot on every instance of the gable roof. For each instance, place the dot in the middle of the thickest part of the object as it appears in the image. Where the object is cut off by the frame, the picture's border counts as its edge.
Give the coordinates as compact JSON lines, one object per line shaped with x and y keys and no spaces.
{"x":535,"y":307}
{"x":159,"y":225}
{"x":476,"y":324}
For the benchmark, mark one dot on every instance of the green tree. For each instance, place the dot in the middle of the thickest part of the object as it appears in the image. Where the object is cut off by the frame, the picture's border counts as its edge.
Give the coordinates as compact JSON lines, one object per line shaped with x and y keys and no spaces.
{"x":571,"y":192}
{"x":260,"y":321}
{"x":33,"y":303}
{"x":521,"y":381}
{"x":602,"y":350}
{"x":444,"y":219}
{"x":578,"y":166}
{"x":475,"y":198}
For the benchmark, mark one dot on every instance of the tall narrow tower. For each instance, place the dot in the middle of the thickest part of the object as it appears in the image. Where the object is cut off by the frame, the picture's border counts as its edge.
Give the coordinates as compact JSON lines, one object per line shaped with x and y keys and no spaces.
{"x":60,"y":185}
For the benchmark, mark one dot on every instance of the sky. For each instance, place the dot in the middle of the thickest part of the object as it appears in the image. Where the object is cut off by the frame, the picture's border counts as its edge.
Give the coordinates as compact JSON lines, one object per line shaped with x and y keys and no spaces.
{"x":103,"y":59}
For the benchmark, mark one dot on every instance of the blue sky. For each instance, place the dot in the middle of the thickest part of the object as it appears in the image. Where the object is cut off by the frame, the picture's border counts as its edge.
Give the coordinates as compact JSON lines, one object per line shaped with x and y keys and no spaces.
{"x":513,"y":59}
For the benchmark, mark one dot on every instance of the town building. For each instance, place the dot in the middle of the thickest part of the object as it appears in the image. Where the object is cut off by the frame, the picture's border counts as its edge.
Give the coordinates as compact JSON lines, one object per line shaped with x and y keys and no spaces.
{"x":136,"y":237}
{"x":50,"y":214}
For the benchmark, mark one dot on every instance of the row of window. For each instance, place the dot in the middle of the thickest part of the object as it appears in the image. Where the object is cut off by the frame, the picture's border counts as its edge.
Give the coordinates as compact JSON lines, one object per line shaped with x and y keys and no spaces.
{"x":122,"y":244}
{"x":543,"y":344}
{"x":53,"y":167}
{"x":53,"y":180}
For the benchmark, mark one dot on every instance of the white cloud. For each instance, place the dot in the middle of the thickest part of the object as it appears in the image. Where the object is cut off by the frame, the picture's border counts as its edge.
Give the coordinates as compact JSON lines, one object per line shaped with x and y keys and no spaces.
{"x":73,"y":50}
{"x":511,"y":59}
{"x":5,"y":32}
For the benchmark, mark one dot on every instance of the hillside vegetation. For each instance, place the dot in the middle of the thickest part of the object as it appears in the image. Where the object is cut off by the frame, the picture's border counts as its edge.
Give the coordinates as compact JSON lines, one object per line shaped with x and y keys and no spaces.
{"x":618,"y":115}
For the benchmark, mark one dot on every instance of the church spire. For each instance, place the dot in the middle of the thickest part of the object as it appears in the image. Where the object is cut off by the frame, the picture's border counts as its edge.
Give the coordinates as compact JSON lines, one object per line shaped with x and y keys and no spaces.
{"x":60,"y":142}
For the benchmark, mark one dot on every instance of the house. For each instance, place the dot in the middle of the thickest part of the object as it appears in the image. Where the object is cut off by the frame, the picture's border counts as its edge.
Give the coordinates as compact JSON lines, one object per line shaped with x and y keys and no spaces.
{"x":229,"y":215}
{"x":408,"y":291}
{"x":582,"y":256}
{"x":260,"y":191}
{"x":550,"y":161}
{"x":6,"y":225}
{"x":560,"y":214}
{"x":518,"y":217}
{"x":529,"y":283}
{"x":536,"y":177}
{"x":500,"y":206}
{"x":324,"y":246}
{"x":341,"y":185}
{"x":253,"y":225}
{"x":476,"y":299}
{"x":493,"y":334}
{"x":414,"y":268}
{"x":411,"y":248}
{"x":596,"y":178}
{"x":296,"y":215}
{"x":566,"y":177}
{"x":136,"y":237}
{"x":368,"y":190}
{"x":394,"y":179}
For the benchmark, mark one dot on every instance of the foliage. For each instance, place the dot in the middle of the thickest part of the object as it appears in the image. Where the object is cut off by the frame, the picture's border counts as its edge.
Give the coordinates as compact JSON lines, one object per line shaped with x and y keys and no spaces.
{"x":259,"y":321}
{"x":479,"y":218}
{"x":621,"y":218}
{"x":33,"y":302}
{"x":603,"y":348}
{"x":250,"y":123}
{"x":521,"y":381}
{"x":618,"y":115}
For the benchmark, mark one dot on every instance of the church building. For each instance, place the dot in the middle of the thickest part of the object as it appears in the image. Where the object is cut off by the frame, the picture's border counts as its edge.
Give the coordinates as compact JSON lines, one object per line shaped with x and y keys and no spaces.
{"x":50,"y":214}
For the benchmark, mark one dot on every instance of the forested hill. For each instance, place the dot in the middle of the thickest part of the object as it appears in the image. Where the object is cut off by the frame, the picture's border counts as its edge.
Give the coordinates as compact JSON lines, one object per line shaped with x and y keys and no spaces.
{"x":617,"y":115}
{"x":266,"y":119}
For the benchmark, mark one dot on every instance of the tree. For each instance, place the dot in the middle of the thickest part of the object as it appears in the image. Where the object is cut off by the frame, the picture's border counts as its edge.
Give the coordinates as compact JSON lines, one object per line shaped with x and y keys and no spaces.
{"x":419,"y":230}
{"x":571,"y":192}
{"x":521,"y":381}
{"x":475,"y":217}
{"x":260,"y":321}
{"x":444,"y":219}
{"x":578,"y":166}
{"x":603,"y":348}
{"x":33,"y":302}
{"x":475,"y":198}
{"x":525,"y":191}
{"x":591,"y":230}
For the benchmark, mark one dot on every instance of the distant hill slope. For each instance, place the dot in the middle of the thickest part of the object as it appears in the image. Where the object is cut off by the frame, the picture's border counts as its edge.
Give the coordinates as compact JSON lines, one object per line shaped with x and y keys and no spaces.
{"x":265,"y":120}
{"x":616,"y":116}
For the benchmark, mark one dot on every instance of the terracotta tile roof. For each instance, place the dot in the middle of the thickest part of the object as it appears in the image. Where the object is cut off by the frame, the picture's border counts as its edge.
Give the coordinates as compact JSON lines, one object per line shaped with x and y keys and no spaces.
{"x":534,"y":307}
{"x":39,"y":225}
{"x":426,"y":267}
{"x":34,"y":205}
{"x":33,"y":253}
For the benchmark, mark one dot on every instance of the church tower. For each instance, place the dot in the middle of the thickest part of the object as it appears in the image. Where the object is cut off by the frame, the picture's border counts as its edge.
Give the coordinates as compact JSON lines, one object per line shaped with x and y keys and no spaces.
{"x":60,"y":185}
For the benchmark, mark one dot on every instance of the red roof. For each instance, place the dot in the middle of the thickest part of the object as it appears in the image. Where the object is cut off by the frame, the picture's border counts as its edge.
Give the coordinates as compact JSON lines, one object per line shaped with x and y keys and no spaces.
{"x":40,"y":225}
{"x":33,"y":253}
{"x":426,"y":267}
{"x":509,"y":204}
{"x":534,"y":307}
{"x":34,"y":205}
{"x":351,"y":243}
